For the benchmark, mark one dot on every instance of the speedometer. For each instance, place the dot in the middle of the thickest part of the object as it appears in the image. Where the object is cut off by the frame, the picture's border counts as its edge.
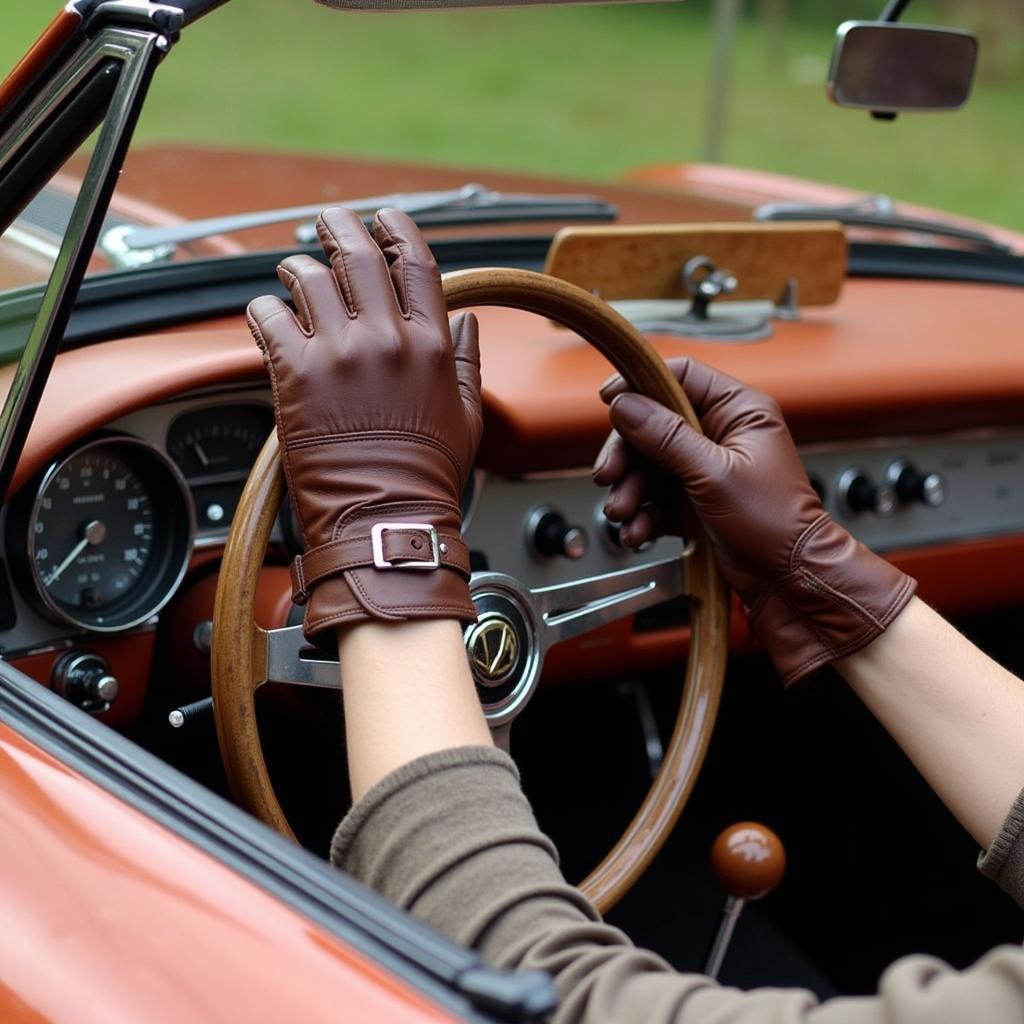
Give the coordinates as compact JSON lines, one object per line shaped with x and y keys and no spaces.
{"x":109,"y":535}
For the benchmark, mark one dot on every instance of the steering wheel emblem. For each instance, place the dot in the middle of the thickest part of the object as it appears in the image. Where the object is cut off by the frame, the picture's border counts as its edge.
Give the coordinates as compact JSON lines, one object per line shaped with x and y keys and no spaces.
{"x":493,"y":650}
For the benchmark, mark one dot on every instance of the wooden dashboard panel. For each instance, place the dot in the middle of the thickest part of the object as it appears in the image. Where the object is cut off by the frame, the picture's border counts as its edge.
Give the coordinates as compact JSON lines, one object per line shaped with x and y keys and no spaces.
{"x":645,"y":261}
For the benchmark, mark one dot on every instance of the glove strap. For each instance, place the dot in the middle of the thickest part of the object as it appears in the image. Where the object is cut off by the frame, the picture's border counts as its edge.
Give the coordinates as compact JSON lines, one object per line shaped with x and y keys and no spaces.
{"x":387,"y":547}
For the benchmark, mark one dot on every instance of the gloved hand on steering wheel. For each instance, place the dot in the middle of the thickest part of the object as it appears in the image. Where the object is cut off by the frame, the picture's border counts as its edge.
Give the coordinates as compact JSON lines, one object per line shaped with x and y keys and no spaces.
{"x":375,"y":462}
{"x":812,"y":593}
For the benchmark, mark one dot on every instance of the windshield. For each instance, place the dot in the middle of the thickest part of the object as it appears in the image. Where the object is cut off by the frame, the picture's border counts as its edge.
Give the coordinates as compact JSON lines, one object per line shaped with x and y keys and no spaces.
{"x":530,"y":102}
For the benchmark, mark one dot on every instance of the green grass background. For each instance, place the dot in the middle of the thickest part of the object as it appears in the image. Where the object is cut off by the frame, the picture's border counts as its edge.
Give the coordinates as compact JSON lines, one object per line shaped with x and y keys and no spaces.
{"x":577,"y":91}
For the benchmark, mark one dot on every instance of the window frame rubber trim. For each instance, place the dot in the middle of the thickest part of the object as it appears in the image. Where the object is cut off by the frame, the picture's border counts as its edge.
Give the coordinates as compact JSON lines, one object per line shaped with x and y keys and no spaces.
{"x":454,"y":977}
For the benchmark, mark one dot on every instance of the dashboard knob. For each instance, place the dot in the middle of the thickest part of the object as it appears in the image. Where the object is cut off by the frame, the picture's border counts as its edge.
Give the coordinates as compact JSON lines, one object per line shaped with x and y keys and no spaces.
{"x":85,"y":679}
{"x":859,"y":493}
{"x":549,"y":533}
{"x":914,"y":486}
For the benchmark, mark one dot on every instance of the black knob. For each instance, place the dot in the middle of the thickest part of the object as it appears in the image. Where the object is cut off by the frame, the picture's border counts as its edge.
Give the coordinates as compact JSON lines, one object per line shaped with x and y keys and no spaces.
{"x":551,"y":534}
{"x":859,"y":493}
{"x":84,"y":679}
{"x":914,"y":486}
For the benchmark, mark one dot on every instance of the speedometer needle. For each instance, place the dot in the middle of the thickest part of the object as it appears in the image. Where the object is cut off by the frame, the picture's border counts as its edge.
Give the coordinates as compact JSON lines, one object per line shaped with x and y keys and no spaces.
{"x":95,"y":533}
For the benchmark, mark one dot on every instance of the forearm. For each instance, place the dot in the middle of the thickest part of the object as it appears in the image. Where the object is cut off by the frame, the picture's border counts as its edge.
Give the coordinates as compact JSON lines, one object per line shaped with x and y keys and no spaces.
{"x":957,"y":714}
{"x":407,"y":691}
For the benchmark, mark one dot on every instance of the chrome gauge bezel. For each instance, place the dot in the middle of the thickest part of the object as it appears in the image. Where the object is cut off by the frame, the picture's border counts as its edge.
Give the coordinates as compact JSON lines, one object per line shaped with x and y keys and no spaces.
{"x":215,"y":410}
{"x":161,"y":590}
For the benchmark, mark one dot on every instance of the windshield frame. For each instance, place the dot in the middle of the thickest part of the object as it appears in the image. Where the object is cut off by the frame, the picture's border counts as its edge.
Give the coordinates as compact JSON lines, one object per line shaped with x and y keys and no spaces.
{"x":39,"y":140}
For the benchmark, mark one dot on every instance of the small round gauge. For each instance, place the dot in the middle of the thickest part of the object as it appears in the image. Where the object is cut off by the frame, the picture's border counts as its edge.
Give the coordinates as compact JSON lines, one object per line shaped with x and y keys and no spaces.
{"x":219,"y":442}
{"x":109,"y":534}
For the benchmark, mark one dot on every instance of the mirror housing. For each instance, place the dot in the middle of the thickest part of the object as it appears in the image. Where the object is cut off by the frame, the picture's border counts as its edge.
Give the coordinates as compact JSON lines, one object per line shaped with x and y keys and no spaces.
{"x":886,"y":67}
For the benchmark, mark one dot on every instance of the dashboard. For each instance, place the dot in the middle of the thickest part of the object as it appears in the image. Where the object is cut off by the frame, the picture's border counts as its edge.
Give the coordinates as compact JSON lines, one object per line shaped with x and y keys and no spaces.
{"x":106,"y":535}
{"x":914,"y":437}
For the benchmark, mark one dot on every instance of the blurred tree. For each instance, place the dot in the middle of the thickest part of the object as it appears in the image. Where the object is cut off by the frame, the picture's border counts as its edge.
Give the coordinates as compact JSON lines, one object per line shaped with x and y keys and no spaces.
{"x":725,"y":15}
{"x":774,"y":14}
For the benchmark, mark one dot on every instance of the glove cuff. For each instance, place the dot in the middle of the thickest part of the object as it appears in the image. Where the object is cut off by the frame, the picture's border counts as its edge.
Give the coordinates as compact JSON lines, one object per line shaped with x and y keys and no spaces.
{"x":394,"y":562}
{"x":837,"y":598}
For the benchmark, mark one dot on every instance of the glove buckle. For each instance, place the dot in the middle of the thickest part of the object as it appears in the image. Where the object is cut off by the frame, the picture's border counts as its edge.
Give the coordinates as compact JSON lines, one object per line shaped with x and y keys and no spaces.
{"x":377,"y":546}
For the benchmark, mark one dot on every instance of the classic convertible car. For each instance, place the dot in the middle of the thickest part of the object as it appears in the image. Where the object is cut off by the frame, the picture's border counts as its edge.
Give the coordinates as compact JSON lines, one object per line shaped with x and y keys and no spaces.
{"x":170,"y":748}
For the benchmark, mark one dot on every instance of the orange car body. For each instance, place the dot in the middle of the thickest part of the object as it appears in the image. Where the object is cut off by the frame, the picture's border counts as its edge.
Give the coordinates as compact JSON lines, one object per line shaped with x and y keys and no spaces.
{"x":112,"y":916}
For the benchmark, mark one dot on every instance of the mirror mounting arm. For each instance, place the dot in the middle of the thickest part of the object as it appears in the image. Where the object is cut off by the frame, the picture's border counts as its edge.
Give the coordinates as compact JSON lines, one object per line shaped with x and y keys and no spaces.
{"x":892,"y":12}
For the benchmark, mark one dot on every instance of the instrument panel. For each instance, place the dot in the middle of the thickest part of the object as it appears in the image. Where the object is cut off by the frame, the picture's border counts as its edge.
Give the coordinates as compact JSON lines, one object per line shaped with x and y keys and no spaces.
{"x":901,"y":493}
{"x":214,"y":447}
{"x":108,"y":535}
{"x":101,"y":541}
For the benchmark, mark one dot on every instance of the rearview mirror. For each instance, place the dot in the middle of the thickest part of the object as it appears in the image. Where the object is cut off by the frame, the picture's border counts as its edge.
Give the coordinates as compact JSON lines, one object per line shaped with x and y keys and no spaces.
{"x":886,"y":67}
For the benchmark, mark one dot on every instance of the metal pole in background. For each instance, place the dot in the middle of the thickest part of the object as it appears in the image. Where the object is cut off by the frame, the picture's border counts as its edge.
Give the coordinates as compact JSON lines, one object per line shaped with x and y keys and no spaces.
{"x":725,"y":15}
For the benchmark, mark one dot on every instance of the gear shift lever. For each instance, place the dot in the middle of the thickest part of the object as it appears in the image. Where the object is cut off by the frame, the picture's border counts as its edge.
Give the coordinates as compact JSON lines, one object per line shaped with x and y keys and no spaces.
{"x":748,"y":860}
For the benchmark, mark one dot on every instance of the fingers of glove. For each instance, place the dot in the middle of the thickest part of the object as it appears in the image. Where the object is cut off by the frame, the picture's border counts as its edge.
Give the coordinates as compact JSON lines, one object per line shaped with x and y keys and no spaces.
{"x":650,"y":523}
{"x":628,"y":495}
{"x":613,"y":461}
{"x":357,"y":262}
{"x":466,"y":342}
{"x":709,"y":391}
{"x":660,"y":436}
{"x":616,"y":385}
{"x":273,"y":324}
{"x":414,"y":273}
{"x":314,"y":290}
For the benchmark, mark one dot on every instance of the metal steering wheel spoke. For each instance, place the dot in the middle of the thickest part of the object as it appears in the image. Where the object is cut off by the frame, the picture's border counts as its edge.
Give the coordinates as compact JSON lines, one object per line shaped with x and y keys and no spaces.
{"x":557,"y":613}
{"x":571,"y":609}
{"x":293,"y":660}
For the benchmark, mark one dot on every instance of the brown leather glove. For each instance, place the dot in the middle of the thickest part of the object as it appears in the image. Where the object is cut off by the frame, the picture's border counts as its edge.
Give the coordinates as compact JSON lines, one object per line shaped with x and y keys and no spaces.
{"x":378,"y":415}
{"x":812,"y":592}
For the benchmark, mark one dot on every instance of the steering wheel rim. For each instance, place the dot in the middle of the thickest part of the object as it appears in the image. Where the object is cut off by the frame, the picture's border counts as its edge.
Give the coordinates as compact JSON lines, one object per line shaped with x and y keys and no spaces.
{"x":240,"y":648}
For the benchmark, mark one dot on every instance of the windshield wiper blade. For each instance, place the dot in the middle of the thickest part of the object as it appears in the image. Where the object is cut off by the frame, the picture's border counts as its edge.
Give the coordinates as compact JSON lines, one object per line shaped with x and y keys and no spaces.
{"x":505,"y":209}
{"x":879,"y":212}
{"x":469,"y":204}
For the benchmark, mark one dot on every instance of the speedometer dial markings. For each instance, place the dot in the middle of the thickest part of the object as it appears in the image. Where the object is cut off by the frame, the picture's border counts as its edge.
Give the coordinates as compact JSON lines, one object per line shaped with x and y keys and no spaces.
{"x":94,"y":533}
{"x":88,"y":561}
{"x":109,"y":534}
{"x":215,"y":448}
{"x":218,"y":443}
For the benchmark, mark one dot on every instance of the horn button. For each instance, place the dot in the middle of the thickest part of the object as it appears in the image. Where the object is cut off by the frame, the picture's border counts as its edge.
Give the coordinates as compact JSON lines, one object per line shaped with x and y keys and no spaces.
{"x":502,"y":647}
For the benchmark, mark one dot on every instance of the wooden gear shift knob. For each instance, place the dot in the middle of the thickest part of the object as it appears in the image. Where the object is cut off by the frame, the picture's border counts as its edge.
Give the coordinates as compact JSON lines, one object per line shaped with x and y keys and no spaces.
{"x":748,"y":860}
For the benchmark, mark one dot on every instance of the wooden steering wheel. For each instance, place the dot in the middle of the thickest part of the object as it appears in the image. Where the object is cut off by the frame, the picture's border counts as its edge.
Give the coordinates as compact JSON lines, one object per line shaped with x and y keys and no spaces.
{"x":245,"y":656}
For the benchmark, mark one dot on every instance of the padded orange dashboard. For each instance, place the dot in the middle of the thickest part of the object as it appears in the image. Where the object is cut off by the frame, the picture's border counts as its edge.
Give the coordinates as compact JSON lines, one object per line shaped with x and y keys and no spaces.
{"x":889,"y":357}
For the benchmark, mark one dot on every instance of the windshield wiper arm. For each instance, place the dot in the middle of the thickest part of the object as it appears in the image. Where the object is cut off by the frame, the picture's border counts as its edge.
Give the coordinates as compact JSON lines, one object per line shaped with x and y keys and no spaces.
{"x":469,"y":204}
{"x":878,"y":212}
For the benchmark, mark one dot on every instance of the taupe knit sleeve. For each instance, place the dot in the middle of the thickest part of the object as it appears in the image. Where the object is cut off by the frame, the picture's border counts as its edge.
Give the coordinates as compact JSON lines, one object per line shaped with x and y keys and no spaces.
{"x":451,"y":838}
{"x":1003,"y":862}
